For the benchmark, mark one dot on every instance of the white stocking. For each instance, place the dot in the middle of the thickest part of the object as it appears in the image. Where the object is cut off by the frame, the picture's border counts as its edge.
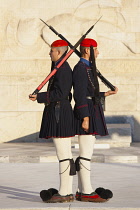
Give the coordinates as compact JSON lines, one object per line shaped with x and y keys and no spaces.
{"x":63,"y":151}
{"x":86,"y":146}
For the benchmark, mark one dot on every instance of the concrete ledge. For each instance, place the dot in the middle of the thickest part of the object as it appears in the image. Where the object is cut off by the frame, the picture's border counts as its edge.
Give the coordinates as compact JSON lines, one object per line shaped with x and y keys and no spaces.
{"x":45,"y":153}
{"x":119,"y":136}
{"x":96,"y":146}
{"x":101,"y":158}
{"x":70,"y":207}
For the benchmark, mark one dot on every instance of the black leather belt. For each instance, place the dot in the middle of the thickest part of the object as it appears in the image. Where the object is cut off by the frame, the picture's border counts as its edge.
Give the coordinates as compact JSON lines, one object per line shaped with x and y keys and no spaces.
{"x":55,"y":102}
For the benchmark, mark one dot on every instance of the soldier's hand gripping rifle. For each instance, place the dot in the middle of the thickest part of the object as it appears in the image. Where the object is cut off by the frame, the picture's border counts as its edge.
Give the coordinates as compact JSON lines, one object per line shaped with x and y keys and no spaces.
{"x":103,"y":79}
{"x":53,"y":72}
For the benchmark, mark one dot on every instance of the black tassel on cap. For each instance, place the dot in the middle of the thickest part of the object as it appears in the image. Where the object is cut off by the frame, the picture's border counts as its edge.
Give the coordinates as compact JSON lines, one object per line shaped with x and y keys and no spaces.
{"x":96,"y":83}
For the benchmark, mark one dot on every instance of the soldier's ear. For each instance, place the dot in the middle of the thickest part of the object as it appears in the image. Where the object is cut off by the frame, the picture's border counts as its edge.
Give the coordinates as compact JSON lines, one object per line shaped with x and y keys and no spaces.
{"x":59,"y":52}
{"x":86,"y":50}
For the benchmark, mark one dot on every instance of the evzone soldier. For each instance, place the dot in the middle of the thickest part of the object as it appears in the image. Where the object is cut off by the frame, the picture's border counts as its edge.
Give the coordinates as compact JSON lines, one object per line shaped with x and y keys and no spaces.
{"x":58,"y":123}
{"x":89,"y":119}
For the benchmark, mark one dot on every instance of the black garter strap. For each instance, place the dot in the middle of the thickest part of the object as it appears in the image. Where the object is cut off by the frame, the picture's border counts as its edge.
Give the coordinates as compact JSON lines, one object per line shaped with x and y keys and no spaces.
{"x":72,"y":166}
{"x":63,"y":160}
{"x":77,"y":163}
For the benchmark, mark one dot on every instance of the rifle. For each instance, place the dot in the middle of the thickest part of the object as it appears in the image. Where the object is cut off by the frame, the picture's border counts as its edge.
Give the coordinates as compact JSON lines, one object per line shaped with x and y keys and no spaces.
{"x":102,"y":78}
{"x":62,"y":61}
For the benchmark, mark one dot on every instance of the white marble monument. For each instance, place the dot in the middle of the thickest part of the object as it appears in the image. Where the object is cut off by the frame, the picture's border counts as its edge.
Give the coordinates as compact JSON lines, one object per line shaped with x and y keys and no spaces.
{"x":25,"y":62}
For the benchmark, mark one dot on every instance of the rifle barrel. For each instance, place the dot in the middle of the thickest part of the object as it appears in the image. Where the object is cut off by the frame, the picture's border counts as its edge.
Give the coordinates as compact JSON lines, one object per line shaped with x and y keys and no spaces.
{"x":63,"y":60}
{"x":92,"y":26}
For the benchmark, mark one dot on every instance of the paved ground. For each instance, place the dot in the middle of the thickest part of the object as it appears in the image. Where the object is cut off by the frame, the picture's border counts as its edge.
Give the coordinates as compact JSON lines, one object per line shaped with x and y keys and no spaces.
{"x":27,"y":168}
{"x":20,"y":184}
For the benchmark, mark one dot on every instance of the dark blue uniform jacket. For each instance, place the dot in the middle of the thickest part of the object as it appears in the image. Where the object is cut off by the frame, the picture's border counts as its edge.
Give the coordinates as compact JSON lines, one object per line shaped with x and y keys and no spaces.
{"x":83,"y":87}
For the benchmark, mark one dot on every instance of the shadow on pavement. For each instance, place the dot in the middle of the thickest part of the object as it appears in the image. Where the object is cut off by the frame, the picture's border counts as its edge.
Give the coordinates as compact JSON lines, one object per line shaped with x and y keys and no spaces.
{"x":20,"y":194}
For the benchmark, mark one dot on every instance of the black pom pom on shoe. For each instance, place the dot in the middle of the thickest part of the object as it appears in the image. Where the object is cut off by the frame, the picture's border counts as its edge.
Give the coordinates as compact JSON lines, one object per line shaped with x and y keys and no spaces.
{"x":53,"y":191}
{"x":47,"y":194}
{"x":104,"y":193}
{"x":109,"y":193}
{"x":99,"y":190}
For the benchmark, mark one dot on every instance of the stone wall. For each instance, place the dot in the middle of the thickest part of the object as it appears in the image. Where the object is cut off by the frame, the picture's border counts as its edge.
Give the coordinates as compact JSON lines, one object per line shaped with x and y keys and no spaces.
{"x":25,"y":62}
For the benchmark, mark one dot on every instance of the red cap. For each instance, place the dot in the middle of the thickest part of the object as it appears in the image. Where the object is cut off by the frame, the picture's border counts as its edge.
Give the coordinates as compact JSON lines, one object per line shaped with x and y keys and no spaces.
{"x":59,"y":43}
{"x":88,"y":42}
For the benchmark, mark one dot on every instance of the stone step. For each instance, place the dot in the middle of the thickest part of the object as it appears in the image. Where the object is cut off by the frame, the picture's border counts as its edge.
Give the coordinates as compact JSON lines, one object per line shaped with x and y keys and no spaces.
{"x":119,"y":136}
{"x":45,"y":152}
{"x":96,"y":158}
{"x":70,"y":204}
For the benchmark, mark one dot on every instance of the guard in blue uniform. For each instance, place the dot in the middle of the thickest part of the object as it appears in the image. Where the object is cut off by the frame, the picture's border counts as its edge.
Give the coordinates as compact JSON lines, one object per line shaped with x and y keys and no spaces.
{"x":89,"y":116}
{"x":58,"y":122}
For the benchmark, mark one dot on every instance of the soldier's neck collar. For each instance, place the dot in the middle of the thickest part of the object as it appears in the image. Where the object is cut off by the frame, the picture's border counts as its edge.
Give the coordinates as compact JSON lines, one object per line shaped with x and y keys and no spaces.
{"x":85,"y":61}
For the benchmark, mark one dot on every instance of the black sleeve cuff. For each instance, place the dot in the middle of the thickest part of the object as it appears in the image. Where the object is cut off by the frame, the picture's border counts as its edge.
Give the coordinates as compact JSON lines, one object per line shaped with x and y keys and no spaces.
{"x":43,"y":97}
{"x":102,"y":94}
{"x":83,"y":111}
